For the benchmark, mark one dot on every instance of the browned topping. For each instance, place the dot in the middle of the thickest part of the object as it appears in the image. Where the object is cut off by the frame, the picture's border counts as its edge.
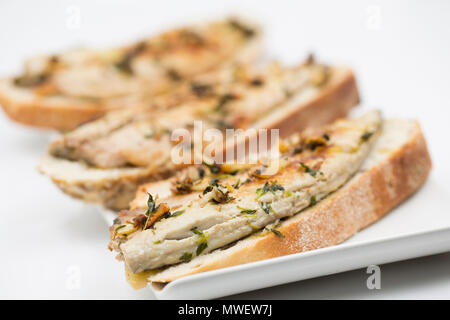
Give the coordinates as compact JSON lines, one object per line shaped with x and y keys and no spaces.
{"x":259,"y":172}
{"x":257,"y":82}
{"x":202,"y":90}
{"x":28,"y":81}
{"x":221,"y":194}
{"x":245,"y":30}
{"x":174,"y":75}
{"x":310,"y":60}
{"x":54,"y":59}
{"x":223,"y":100}
{"x":192,"y":38}
{"x":315,"y":142}
{"x":160,"y":212}
{"x":139,"y":221}
{"x":124,"y":65}
{"x":182,"y":187}
{"x":184,"y":181}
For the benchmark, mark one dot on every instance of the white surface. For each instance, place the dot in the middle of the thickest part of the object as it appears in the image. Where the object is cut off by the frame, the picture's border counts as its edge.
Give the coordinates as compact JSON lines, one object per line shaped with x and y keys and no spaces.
{"x":55,"y":247}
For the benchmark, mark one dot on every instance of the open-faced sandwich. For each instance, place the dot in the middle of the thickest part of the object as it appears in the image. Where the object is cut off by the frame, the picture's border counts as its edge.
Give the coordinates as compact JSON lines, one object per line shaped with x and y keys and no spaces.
{"x":331,"y":183}
{"x":64,"y":90}
{"x":104,"y":161}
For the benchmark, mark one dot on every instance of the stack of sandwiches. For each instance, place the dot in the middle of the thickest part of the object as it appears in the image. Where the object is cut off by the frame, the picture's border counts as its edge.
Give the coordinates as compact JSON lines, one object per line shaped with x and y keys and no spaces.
{"x":118,"y":110}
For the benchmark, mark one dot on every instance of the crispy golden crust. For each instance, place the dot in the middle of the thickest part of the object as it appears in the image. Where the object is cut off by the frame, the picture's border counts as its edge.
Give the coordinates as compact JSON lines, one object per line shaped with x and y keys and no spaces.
{"x":113,"y":188}
{"x":51,"y":116}
{"x":335,"y":101}
{"x":364,"y":200}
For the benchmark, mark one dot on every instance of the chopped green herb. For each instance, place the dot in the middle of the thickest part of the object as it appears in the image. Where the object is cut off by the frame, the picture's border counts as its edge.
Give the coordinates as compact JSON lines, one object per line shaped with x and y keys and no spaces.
{"x":252,"y":226}
{"x":186,"y":257}
{"x":298,"y":149}
{"x":152,"y":208}
{"x":197,"y":232}
{"x":314,"y":144}
{"x":276,"y":187}
{"x":265,"y":207}
{"x":214,"y":168}
{"x":201,"y":247}
{"x":116,"y":221}
{"x":262,"y":191}
{"x":247,"y":211}
{"x":312,"y":201}
{"x":307,"y":169}
{"x":223,"y":101}
{"x":157,"y":242}
{"x":277,"y":233}
{"x":202,"y":241}
{"x":366,"y":136}
{"x":151,"y":205}
{"x":214,"y":182}
{"x":272,"y":188}
{"x":149,"y":135}
{"x":177,"y":213}
{"x":207,"y":189}
{"x":223,"y":176}
{"x":118,"y":228}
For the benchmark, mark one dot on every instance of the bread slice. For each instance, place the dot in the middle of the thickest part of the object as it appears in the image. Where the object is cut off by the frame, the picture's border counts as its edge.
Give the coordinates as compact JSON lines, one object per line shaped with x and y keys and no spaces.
{"x":114,"y":188}
{"x":397,"y":166}
{"x":69,"y":88}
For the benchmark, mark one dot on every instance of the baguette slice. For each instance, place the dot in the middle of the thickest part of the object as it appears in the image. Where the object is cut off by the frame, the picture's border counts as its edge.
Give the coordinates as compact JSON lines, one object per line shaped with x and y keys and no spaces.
{"x":397,"y":166}
{"x":65,"y":90}
{"x":115,"y":188}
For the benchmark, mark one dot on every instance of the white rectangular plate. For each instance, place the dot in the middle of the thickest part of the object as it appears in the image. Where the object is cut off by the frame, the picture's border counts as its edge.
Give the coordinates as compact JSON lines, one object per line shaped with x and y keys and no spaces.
{"x":419,"y":227}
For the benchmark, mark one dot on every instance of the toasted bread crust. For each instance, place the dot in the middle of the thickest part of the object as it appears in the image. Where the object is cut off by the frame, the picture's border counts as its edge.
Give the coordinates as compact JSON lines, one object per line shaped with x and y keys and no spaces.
{"x":342,"y":97}
{"x":49,"y":116}
{"x":368,"y":197}
{"x":113,"y":188}
{"x":334,"y":102}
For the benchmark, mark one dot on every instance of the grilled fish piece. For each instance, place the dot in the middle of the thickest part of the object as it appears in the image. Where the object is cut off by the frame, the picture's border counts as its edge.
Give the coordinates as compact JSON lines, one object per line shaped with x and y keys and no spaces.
{"x":64,"y":90}
{"x":141,"y":138}
{"x":152,"y":65}
{"x":229,"y":208}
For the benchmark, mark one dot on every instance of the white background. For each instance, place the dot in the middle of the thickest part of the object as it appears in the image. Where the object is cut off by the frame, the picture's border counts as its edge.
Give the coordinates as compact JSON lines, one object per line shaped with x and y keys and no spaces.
{"x":400,"y":52}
